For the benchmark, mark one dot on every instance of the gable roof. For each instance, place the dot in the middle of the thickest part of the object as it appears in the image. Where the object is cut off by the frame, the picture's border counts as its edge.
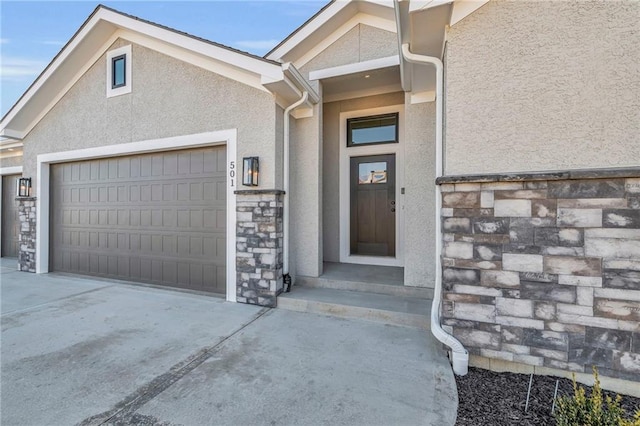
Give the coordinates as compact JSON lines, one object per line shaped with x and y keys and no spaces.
{"x":104,"y":26}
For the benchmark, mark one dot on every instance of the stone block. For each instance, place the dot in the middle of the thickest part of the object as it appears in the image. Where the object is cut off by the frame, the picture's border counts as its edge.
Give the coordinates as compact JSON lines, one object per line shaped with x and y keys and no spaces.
{"x":467,"y":187}
{"x":612,"y":248}
{"x":490,"y":353}
{"x":502,"y":186}
{"x":483,"y":238}
{"x":458,"y":250}
{"x":591,"y":356}
{"x":546,"y":339}
{"x":447,"y":187}
{"x":486,"y":199}
{"x":561,"y":327}
{"x":613,"y":233}
{"x":457,"y":225}
{"x":580,"y":218}
{"x":563,"y":251}
{"x":547,"y":292}
{"x":477,"y":290}
{"x":532,"y":222}
{"x":544,"y":310}
{"x":475,"y":312}
{"x":491,"y":226}
{"x":592,"y":203}
{"x":476,"y":264}
{"x":544,"y":208}
{"x":580,"y":281}
{"x":472,"y":212}
{"x":632,"y":185}
{"x":550,"y":354}
{"x":522,"y":262}
{"x":622,"y":279}
{"x":460,"y":276}
{"x":620,"y":294}
{"x":536,"y":184}
{"x":538,"y":277}
{"x":633,"y":202}
{"x":635,"y":342}
{"x":503,"y":279}
{"x":588,"y":188}
{"x":477,"y":338}
{"x":519,"y":322}
{"x":567,"y":366}
{"x":487,"y":252}
{"x":567,"y":237}
{"x":569,"y":265}
{"x":461,"y":200}
{"x":528,"y":359}
{"x":521,"y":249}
{"x":588,"y":321}
{"x":446,"y":212}
{"x":521,"y":235}
{"x":568,"y":308}
{"x":512,"y":335}
{"x":514,"y":307}
{"x":516,"y":349}
{"x":627,"y":264}
{"x":607,"y":339}
{"x":621,"y":218}
{"x":465,"y":298}
{"x":512,"y":208}
{"x":584,"y":296}
{"x":618,"y":309}
{"x":527,"y":194}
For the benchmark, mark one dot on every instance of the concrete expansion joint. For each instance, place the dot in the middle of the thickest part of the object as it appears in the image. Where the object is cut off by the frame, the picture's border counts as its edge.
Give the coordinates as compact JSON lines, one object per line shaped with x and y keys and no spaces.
{"x":126,"y":409}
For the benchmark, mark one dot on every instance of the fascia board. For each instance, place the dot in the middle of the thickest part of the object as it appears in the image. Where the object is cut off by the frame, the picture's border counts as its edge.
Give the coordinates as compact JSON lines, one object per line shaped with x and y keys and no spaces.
{"x":292,"y":73}
{"x":10,"y":135}
{"x":356,"y":67}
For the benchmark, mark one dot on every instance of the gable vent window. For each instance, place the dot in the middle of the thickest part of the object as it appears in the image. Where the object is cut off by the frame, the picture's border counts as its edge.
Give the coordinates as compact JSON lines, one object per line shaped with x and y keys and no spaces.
{"x":119,"y":71}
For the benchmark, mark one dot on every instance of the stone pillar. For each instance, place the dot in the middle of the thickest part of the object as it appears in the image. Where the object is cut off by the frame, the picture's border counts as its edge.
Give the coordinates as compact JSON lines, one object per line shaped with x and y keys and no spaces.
{"x":259,"y":233}
{"x":27,"y":235}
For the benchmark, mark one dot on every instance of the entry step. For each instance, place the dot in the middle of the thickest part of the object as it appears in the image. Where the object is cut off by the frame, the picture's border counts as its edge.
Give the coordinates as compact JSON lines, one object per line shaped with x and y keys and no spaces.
{"x":350,"y":283}
{"x":384,"y":308}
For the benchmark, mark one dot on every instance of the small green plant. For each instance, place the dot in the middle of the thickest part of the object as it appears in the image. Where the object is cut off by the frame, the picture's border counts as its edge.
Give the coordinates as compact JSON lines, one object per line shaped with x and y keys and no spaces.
{"x":580,"y":410}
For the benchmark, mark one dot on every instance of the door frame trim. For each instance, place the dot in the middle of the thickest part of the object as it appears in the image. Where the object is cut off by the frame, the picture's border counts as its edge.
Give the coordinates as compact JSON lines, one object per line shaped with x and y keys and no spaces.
{"x":345,"y":191}
{"x":13,"y":170}
{"x":198,"y":140}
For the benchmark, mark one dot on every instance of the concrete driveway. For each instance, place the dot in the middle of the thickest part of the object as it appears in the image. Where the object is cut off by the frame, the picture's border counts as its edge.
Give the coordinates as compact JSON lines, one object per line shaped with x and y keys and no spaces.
{"x":85,"y":351}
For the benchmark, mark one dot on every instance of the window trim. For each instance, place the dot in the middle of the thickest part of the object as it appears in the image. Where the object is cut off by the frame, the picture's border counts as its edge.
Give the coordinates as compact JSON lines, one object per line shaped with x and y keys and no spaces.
{"x":111,"y":57}
{"x":393,"y":115}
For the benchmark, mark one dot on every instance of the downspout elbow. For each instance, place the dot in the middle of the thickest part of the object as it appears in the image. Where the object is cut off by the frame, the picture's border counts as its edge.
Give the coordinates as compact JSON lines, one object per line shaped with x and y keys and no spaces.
{"x":459,"y":355}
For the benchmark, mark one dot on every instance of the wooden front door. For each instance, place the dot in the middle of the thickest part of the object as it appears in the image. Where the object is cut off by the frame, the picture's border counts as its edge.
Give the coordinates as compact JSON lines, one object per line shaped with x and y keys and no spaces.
{"x":373,"y":205}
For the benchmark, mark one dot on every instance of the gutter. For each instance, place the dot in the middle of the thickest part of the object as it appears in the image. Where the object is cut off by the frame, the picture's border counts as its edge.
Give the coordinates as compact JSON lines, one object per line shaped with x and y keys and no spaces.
{"x":459,"y":355}
{"x":285,"y":214}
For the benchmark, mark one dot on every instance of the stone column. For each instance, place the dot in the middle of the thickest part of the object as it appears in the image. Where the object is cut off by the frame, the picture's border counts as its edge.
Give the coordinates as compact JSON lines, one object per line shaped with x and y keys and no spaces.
{"x":259,"y":233}
{"x":27,"y":235}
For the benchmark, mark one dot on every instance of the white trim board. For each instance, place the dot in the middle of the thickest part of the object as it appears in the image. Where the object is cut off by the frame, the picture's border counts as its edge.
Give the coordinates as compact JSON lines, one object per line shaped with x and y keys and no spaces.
{"x":345,"y":192}
{"x":228,"y":137}
{"x":355,"y":67}
{"x":14,"y":170}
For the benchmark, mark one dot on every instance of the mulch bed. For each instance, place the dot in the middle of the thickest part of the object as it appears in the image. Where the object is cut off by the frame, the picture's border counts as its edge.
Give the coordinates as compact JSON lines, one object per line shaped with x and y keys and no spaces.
{"x":493,"y":399}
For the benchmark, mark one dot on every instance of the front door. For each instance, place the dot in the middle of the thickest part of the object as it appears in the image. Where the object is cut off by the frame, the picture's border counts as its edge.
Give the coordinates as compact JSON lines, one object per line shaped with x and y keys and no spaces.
{"x":373,"y":205}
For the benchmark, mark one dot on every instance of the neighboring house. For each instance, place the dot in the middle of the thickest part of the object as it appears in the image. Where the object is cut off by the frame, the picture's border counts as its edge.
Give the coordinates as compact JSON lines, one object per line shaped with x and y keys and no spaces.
{"x":135,"y":135}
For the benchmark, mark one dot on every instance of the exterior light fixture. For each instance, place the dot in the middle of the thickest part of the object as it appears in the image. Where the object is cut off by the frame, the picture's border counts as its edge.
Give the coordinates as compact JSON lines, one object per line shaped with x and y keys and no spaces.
{"x":24,"y":187}
{"x":250,"y":171}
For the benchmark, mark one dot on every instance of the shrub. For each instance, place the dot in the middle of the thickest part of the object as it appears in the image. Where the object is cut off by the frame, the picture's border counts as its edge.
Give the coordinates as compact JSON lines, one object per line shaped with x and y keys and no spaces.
{"x":580,"y":410}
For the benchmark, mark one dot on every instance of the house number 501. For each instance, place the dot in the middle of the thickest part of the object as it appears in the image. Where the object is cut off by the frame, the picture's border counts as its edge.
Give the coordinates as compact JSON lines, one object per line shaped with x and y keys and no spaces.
{"x":232,"y":173}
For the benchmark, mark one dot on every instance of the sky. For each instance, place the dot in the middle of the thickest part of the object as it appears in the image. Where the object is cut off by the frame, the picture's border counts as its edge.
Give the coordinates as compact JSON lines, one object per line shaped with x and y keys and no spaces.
{"x":33,"y":32}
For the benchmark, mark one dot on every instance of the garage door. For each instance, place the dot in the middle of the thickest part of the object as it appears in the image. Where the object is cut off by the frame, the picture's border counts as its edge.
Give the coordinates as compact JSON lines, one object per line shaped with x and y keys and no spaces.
{"x":153,"y":218}
{"x":10,"y":223}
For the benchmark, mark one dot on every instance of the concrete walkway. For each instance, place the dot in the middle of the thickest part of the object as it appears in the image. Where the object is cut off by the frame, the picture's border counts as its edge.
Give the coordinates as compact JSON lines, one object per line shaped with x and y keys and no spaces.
{"x":78,"y":350}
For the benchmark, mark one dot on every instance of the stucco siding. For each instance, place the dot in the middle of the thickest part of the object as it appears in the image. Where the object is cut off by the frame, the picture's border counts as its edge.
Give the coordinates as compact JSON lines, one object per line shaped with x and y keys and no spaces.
{"x":11,"y":161}
{"x":169,"y":98}
{"x":419,"y":201}
{"x":534,"y":86}
{"x":331,"y":164}
{"x":361,"y":43}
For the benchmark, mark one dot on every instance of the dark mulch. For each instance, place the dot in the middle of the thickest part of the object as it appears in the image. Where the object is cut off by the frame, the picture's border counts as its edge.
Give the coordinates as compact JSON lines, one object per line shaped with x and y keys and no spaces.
{"x":493,"y":399}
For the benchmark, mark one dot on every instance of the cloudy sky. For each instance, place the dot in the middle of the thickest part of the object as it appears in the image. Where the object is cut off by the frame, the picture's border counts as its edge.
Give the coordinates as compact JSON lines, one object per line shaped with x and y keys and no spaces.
{"x":33,"y":32}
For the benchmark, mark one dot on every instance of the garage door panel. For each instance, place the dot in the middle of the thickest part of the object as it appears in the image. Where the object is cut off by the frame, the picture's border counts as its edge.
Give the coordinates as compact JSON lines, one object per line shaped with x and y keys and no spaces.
{"x":154,"y":218}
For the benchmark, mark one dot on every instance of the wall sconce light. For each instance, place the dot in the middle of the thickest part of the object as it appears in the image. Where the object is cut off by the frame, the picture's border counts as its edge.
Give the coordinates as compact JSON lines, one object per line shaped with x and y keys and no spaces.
{"x":250,"y":171}
{"x":24,"y":187}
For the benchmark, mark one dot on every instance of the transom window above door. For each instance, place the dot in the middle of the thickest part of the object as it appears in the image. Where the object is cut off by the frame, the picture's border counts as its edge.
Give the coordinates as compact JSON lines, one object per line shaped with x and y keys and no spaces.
{"x":371,"y":130}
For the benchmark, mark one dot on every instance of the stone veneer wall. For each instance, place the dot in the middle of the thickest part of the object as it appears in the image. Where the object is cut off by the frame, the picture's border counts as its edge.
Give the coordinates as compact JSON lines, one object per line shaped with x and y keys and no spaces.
{"x":27,"y":235}
{"x":259,"y":233}
{"x":545,"y":269}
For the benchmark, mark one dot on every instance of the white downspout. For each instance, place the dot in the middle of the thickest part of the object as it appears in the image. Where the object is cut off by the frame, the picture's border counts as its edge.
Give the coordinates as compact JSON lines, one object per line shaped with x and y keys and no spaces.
{"x":460,"y":356}
{"x":285,"y":212}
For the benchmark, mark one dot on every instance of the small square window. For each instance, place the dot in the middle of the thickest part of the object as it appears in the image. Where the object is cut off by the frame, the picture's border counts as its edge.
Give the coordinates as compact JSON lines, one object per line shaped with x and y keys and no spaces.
{"x":372,"y":130}
{"x":118,"y":74}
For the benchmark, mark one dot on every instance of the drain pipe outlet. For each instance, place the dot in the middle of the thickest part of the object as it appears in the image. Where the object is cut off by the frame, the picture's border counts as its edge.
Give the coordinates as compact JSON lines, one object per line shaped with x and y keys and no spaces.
{"x":286,"y":277}
{"x":459,"y":355}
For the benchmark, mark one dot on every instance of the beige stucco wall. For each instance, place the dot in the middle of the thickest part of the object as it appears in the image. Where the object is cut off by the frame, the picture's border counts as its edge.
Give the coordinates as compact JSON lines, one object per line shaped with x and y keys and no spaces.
{"x":361,"y":43}
{"x":544,"y":86}
{"x":169,"y":98}
{"x":11,"y":161}
{"x":331,"y":164}
{"x":306,"y":195}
